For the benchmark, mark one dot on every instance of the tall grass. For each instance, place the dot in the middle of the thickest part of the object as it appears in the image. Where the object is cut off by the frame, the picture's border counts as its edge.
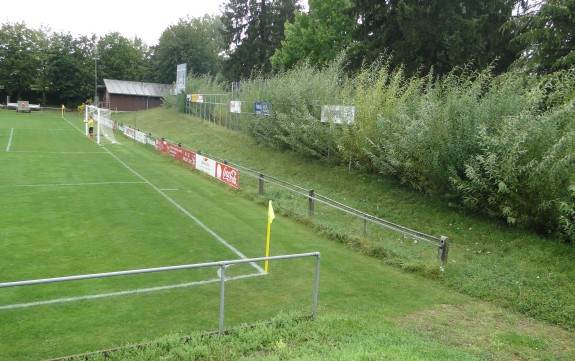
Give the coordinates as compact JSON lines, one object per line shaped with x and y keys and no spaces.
{"x":501,"y":146}
{"x":297,"y":96}
{"x":197,"y":84}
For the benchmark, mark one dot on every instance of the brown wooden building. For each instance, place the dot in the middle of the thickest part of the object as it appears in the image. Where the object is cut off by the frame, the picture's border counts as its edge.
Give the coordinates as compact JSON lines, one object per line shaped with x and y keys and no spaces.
{"x":125,"y":95}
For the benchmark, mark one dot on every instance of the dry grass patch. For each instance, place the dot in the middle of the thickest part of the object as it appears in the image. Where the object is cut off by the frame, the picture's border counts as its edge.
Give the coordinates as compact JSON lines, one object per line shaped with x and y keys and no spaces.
{"x":492,"y":333}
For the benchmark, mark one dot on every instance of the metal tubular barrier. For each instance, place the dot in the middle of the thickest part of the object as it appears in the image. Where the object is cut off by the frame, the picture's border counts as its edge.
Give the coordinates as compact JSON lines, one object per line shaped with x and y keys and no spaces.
{"x":221,"y":264}
{"x":440,"y":242}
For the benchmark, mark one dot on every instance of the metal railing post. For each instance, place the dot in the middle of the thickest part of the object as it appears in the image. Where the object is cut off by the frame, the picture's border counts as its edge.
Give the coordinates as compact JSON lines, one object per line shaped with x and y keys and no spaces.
{"x":261,"y":184}
{"x":316,"y":287}
{"x":222,"y":296}
{"x":311,"y":204}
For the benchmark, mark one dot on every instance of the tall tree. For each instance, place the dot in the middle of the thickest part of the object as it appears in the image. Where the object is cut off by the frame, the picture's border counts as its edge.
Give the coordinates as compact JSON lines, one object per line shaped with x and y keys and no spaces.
{"x":438,"y":34}
{"x":317,"y":36}
{"x":70,"y":67}
{"x":42,"y":82}
{"x":22,"y":58}
{"x":121,"y":58}
{"x":371,"y":32}
{"x":253,"y":30}
{"x":546,"y":36}
{"x":196,"y":42}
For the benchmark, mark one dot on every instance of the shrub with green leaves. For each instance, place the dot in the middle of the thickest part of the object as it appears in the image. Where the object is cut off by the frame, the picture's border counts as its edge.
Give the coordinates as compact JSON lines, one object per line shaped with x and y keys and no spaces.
{"x":524,"y":169}
{"x":502,"y":146}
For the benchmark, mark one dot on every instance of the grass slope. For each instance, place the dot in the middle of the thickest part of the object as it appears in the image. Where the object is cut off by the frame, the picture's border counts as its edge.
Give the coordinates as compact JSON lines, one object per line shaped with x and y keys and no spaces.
{"x":489,"y":260}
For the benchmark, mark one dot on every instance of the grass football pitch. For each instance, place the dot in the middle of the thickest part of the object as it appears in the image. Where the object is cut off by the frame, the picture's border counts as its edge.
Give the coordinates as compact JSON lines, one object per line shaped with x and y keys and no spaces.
{"x":70,"y":207}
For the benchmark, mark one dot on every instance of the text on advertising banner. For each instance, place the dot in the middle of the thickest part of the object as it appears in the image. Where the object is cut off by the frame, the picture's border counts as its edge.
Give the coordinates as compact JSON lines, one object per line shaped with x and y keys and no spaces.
{"x":227,"y":174}
{"x":262,"y":108}
{"x":235,"y":106}
{"x":206,"y":165}
{"x":161,"y":145}
{"x":338,"y":114}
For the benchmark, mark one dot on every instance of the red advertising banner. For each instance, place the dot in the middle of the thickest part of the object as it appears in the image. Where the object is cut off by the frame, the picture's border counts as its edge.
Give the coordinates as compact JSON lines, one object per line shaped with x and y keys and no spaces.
{"x":204,"y":164}
{"x":161,"y":145}
{"x":189,"y":158}
{"x":175,"y":152}
{"x":184,"y":156}
{"x":227,"y":174}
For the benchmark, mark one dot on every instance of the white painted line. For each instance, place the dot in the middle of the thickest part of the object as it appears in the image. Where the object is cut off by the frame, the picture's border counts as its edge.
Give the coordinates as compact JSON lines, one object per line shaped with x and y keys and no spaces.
{"x":122,"y":293}
{"x":10,"y":140}
{"x":191,"y":216}
{"x":78,"y":129}
{"x":74,"y":184}
{"x":43,"y":152}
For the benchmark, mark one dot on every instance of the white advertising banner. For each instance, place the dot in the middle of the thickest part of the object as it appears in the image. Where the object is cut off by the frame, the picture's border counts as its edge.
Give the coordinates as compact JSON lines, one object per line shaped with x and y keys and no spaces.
{"x":141,"y":137}
{"x":235,"y":106}
{"x":206,"y":165}
{"x":181,"y":70}
{"x":129,"y":132}
{"x":339,"y":114}
{"x":135,"y":134}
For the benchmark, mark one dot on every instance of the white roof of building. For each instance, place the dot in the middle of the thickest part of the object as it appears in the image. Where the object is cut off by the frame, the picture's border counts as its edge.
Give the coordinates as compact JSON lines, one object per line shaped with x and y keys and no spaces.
{"x":125,"y":87}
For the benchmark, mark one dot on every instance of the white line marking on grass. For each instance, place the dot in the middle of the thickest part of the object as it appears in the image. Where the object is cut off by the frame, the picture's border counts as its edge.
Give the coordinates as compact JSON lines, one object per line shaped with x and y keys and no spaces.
{"x":122,"y":293}
{"x":74,"y":126}
{"x":10,"y":139}
{"x":198,"y":222}
{"x":191,"y":216}
{"x":43,"y":152}
{"x":75,"y":184}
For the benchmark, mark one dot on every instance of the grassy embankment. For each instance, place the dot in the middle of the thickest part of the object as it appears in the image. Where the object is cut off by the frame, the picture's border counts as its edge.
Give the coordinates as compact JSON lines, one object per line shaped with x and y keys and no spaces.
{"x":520,"y":285}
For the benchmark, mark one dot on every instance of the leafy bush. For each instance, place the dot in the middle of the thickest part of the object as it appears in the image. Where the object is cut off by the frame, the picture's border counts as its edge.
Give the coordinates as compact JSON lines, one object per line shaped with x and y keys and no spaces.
{"x":502,"y":146}
{"x":524,"y":171}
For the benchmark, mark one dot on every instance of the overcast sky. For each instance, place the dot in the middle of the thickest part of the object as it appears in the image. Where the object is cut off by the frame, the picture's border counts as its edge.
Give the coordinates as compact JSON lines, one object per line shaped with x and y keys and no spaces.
{"x":146,"y":19}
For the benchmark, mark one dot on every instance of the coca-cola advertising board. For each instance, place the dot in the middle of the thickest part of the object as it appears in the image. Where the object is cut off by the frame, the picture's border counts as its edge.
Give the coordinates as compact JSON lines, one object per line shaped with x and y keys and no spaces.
{"x":227,"y":174}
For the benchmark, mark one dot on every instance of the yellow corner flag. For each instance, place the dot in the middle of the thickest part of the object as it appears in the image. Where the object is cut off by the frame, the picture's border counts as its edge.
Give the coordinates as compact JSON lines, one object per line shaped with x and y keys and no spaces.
{"x":63,"y":108}
{"x":271,"y":217}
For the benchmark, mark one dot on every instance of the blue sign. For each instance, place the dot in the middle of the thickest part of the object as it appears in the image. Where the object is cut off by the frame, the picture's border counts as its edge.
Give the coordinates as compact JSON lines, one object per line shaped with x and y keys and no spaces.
{"x":262,"y":108}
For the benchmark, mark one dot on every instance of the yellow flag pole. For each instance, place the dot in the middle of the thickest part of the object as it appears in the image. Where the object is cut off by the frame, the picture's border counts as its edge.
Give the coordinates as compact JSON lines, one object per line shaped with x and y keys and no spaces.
{"x":271,"y":217}
{"x":63,"y":107}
